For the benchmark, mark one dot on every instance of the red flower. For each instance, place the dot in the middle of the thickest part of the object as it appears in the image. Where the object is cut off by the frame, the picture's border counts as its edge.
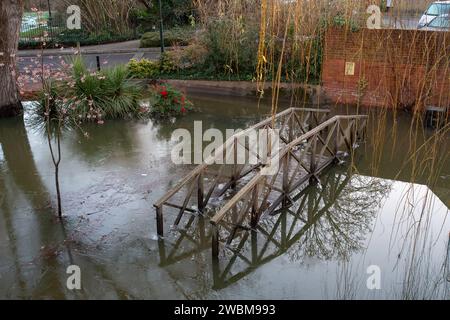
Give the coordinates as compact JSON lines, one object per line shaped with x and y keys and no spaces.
{"x":164,"y":94}
{"x":183,"y":110}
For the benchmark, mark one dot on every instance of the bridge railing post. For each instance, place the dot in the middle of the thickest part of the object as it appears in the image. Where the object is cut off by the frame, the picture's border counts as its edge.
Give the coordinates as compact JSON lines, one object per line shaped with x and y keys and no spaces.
{"x":337,"y":142}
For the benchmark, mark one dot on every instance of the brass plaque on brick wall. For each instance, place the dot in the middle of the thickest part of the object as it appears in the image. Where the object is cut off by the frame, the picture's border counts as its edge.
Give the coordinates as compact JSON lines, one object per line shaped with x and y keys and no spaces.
{"x":349,"y":68}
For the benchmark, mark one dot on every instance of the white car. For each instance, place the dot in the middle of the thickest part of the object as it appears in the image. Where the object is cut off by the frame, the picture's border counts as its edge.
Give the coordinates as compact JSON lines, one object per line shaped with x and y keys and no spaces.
{"x":436,"y":9}
{"x":441,"y":23}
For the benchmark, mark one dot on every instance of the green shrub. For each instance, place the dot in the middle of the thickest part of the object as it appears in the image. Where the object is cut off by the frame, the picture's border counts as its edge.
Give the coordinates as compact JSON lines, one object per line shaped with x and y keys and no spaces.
{"x":144,"y":68}
{"x":176,"y":36}
{"x":167,"y":64}
{"x":232,"y":47}
{"x":147,"y":69}
{"x":142,"y":20}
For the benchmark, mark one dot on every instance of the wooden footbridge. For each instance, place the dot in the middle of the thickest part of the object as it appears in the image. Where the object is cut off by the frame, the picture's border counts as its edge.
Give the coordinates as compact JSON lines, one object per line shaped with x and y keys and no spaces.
{"x":237,"y":196}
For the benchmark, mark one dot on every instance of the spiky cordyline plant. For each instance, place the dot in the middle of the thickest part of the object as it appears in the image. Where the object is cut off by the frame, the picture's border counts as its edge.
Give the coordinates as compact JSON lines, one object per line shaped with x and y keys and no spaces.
{"x":95,"y":96}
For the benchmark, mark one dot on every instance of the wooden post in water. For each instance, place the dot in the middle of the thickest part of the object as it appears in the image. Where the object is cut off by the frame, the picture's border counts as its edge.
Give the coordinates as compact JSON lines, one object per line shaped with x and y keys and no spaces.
{"x":285,"y":164}
{"x":215,"y":242}
{"x":313,"y":159}
{"x":291,"y":126}
{"x":200,"y":193}
{"x":235,"y":160}
{"x":159,"y":222}
{"x":255,"y":213}
{"x":254,"y":241}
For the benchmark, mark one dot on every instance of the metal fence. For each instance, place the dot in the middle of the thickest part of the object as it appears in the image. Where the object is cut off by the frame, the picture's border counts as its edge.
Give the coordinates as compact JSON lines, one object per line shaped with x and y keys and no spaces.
{"x":51,"y":28}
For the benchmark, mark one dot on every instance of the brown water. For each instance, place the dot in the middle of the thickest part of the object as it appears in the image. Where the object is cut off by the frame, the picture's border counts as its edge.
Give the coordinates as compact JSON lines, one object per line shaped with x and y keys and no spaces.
{"x":362,"y":214}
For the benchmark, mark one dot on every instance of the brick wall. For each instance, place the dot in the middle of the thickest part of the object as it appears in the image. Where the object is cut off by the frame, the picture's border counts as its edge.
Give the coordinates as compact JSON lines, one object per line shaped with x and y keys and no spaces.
{"x":392,"y":68}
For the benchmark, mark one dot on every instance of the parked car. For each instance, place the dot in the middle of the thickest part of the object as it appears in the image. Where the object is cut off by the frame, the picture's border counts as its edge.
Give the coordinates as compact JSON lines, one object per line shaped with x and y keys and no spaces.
{"x":436,"y":9}
{"x":441,"y":23}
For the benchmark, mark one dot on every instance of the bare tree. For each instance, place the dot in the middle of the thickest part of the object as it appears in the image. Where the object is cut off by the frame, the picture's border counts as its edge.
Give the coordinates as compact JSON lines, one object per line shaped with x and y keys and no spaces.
{"x":10,"y":20}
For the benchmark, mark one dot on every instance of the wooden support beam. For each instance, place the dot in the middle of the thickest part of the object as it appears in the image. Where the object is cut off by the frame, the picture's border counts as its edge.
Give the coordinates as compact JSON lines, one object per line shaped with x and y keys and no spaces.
{"x":337,"y":142}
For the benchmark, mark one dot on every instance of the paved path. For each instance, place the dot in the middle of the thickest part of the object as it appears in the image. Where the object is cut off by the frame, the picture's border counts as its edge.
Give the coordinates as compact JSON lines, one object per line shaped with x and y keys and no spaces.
{"x":119,"y":47}
{"x":109,"y":54}
{"x":106,"y":59}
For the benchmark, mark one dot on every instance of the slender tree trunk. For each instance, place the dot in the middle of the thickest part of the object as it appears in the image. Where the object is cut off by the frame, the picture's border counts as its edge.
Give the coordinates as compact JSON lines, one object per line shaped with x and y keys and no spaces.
{"x":58,"y":191}
{"x":10,"y":21}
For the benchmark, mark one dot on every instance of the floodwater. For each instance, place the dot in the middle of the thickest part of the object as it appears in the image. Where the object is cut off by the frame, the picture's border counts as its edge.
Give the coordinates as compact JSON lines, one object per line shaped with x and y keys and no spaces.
{"x":365,"y":219}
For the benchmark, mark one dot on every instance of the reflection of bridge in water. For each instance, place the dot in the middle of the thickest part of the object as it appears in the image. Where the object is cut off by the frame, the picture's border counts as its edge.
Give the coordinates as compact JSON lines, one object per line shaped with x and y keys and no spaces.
{"x":324,"y":220}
